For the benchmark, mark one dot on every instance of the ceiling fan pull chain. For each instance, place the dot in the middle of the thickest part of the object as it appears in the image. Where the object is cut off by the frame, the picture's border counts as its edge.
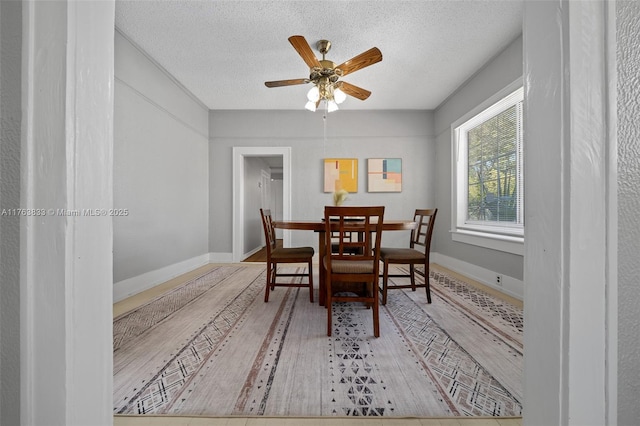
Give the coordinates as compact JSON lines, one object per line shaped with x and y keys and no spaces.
{"x":324,"y":129}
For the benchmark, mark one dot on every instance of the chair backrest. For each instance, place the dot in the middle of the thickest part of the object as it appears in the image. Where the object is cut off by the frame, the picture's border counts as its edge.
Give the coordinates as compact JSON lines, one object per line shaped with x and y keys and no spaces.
{"x":347,"y":237}
{"x":421,"y":234}
{"x":341,"y":222}
{"x":269,"y":230}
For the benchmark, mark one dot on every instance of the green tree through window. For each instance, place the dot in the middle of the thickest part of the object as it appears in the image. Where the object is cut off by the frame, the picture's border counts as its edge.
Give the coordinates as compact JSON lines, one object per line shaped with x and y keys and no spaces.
{"x":492,"y":152}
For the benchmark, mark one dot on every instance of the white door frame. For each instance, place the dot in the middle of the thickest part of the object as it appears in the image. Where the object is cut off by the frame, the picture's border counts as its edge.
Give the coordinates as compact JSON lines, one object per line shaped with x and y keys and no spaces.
{"x":239,"y":154}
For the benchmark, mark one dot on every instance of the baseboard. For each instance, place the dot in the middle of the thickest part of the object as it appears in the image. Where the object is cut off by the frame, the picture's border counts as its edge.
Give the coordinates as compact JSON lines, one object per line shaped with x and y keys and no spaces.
{"x":220,"y":257}
{"x":252,"y":252}
{"x":134,"y":285}
{"x":126,"y":288}
{"x":510,"y":286}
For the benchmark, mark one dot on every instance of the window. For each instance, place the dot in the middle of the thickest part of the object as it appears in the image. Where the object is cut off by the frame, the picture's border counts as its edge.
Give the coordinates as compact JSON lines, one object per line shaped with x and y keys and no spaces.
{"x":488,"y":180}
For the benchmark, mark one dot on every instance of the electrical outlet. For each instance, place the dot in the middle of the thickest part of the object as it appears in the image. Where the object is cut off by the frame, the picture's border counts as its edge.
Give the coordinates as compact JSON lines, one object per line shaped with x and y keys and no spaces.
{"x":499,"y":280}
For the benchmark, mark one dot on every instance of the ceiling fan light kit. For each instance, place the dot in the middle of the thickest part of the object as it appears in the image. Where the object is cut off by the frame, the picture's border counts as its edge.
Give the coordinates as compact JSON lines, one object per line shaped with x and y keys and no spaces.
{"x":325,"y":75}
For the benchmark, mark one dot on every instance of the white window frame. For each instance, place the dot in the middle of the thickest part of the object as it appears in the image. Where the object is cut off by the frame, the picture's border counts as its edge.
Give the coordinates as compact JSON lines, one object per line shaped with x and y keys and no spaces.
{"x":505,"y":238}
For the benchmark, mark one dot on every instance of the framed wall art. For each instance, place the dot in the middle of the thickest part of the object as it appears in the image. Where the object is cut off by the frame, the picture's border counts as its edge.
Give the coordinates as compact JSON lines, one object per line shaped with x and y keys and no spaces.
{"x":384,"y":175}
{"x":340,"y":173}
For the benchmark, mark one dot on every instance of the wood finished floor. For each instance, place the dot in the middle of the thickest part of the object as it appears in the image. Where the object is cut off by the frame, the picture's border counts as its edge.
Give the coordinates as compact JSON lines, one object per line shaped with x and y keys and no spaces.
{"x":152,"y":420}
{"x":261,"y":255}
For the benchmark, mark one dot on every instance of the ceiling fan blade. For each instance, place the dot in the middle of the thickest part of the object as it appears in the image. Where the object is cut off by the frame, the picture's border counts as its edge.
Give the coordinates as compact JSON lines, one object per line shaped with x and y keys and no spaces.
{"x":281,"y":83}
{"x":363,"y":60}
{"x":304,"y":50}
{"x":355,"y":91}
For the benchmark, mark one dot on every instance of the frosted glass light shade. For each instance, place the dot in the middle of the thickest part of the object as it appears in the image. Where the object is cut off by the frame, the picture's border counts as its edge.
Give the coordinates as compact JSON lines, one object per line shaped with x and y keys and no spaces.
{"x":314,"y":94}
{"x":339,"y":96}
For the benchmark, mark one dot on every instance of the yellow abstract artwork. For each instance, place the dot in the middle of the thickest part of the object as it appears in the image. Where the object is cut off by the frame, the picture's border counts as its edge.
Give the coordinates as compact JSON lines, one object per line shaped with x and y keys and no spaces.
{"x":340,"y":173}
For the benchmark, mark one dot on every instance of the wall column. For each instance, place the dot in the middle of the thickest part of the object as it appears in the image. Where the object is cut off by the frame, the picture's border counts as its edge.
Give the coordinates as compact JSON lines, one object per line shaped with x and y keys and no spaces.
{"x":569,"y":172}
{"x":66,"y":243}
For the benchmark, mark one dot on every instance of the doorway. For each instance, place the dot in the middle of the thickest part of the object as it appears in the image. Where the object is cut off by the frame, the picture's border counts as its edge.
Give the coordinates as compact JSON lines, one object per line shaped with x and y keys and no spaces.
{"x":240,"y":215}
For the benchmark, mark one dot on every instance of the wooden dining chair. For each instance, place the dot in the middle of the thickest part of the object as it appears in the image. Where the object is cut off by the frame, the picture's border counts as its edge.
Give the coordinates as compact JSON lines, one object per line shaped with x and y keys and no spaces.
{"x":416,"y":254}
{"x":287,"y":255}
{"x":352,"y":268}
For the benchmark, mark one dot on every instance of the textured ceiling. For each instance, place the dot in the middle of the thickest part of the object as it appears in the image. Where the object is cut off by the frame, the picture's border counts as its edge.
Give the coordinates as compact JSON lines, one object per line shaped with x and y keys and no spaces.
{"x":224,"y":51}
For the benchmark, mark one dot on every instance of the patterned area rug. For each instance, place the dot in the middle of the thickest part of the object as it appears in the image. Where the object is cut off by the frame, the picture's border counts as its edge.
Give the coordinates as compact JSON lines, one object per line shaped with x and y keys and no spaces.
{"x":213,"y":347}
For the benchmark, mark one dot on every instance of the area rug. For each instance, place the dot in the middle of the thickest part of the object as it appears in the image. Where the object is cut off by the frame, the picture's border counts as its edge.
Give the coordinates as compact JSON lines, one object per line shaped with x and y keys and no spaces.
{"x":213,"y":347}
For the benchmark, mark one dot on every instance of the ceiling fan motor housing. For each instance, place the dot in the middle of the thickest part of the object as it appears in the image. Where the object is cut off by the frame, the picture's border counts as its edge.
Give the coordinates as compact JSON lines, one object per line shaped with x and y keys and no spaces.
{"x":327,"y":71}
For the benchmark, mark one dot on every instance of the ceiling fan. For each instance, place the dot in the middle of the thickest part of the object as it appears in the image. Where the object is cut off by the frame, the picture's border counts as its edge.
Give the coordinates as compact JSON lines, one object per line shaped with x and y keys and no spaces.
{"x":325,"y":75}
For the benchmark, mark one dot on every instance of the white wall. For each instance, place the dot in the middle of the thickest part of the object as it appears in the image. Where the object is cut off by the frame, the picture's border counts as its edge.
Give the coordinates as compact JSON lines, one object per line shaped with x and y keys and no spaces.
{"x":350,"y":134}
{"x":10,"y":113}
{"x":628,"y":113}
{"x":161,"y":174}
{"x":493,"y":77}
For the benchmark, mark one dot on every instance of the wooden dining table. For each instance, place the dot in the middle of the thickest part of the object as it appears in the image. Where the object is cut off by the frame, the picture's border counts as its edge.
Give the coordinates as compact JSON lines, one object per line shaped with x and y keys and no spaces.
{"x":318,"y":226}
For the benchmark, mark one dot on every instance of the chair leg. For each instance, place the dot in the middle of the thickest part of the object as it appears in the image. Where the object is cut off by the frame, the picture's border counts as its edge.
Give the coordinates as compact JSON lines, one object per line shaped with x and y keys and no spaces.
{"x":311,"y":281}
{"x":412,"y":273}
{"x":274,"y":272}
{"x":327,"y":303}
{"x":269,"y":280}
{"x":385,"y":280}
{"x":376,"y":317}
{"x":427,"y":282}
